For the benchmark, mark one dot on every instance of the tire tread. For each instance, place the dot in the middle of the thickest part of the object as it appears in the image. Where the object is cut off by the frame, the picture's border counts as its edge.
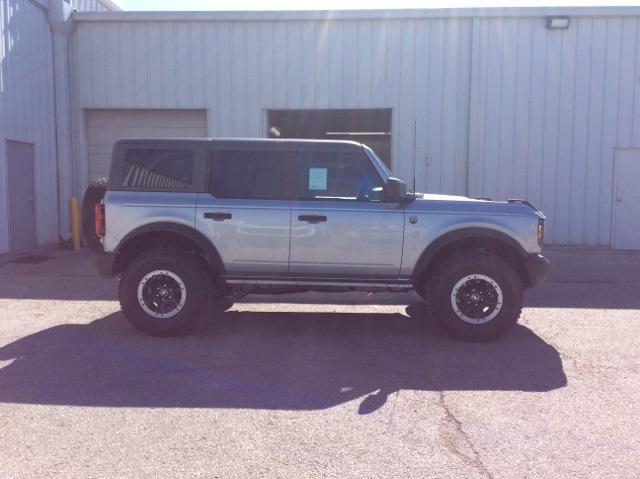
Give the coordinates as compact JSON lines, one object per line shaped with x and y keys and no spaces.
{"x":193,"y":265}
{"x":443,"y":313}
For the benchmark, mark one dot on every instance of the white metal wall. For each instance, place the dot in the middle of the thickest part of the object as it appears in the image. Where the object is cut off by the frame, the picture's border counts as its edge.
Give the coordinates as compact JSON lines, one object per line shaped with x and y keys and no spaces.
{"x":503,"y":107}
{"x":549,"y":109}
{"x":237,"y":70}
{"x":27,"y":108}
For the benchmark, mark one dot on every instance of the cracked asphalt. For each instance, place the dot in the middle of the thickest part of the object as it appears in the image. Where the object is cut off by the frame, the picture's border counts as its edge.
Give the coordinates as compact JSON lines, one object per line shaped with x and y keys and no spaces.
{"x":311,"y":385}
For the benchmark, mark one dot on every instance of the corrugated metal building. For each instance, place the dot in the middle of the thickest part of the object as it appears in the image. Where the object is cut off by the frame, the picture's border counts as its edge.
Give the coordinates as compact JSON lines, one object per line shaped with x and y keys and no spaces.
{"x":482,"y":102}
{"x":28,"y":144}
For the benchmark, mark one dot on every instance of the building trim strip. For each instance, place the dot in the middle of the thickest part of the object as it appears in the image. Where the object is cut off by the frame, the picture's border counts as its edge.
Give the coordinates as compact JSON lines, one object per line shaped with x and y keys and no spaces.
{"x":345,"y":15}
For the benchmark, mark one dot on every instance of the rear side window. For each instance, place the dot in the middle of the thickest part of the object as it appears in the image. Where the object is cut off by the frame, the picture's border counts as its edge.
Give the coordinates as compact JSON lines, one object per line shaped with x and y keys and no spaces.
{"x":338,"y":176}
{"x":248,"y":174}
{"x":158,"y":168}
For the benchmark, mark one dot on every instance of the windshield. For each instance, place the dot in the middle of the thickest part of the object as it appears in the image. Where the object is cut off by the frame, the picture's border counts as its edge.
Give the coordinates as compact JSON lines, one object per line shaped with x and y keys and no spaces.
{"x":377,"y":162}
{"x":380,"y":166}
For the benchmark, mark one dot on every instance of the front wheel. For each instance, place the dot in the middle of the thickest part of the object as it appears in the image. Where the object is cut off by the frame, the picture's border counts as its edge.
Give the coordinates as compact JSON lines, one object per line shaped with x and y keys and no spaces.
{"x":475,"y":295}
{"x":164,"y":291}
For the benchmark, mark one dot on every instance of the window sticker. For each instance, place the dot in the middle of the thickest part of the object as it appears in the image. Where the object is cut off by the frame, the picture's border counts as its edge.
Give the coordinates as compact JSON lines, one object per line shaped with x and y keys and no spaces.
{"x":317,"y":178}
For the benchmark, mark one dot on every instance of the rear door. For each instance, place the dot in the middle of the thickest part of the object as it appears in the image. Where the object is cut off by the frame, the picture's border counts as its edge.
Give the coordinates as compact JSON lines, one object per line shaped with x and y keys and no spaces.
{"x":340,"y":227}
{"x":246,"y":211}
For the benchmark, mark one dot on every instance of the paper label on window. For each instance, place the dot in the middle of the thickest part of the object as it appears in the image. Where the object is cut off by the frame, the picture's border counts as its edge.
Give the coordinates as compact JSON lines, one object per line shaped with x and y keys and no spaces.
{"x":317,"y":178}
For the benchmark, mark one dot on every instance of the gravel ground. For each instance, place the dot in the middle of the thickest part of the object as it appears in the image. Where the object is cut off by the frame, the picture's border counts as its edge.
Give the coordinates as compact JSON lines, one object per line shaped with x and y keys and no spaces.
{"x":311,"y":385}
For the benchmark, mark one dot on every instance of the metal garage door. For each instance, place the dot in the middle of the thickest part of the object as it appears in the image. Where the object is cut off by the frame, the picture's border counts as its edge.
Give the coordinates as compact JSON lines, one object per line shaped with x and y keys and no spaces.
{"x":104,"y":127}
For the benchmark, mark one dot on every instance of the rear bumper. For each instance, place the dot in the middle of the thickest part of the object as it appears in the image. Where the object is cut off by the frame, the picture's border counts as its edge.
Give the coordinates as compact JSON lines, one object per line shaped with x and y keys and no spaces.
{"x":538,"y":268}
{"x":103,"y":263}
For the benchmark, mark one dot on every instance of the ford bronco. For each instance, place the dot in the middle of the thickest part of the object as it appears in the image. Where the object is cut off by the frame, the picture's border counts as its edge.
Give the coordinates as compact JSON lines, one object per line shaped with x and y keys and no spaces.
{"x":190,"y":224}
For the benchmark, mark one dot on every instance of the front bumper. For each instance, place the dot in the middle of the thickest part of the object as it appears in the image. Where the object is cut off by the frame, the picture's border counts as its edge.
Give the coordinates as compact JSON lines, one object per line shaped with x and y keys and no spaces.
{"x":538,"y":268}
{"x":104,"y":262}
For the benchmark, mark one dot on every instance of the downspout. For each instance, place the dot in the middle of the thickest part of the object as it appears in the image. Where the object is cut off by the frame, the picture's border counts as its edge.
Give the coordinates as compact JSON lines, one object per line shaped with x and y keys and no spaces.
{"x":60,"y":22}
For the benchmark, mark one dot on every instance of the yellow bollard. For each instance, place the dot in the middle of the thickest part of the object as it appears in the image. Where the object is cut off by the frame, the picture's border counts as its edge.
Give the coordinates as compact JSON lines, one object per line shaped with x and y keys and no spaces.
{"x":75,"y":222}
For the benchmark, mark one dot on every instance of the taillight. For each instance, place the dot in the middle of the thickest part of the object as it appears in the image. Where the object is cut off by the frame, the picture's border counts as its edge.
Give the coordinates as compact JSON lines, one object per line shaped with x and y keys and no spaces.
{"x":99,"y":217}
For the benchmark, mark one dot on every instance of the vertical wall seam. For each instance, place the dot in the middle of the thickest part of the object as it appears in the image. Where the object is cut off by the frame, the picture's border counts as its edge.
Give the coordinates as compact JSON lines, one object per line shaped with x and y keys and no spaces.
{"x":602,"y":121}
{"x":485,"y":117}
{"x":618,"y":111}
{"x":472,"y":123}
{"x":427,"y":146}
{"x":635,"y":85}
{"x":583,"y":235}
{"x":441,"y":115}
{"x":514,"y":135}
{"x":573,"y":131}
{"x":544,"y":117}
{"x":557,"y":155}
{"x":530,"y":114}
{"x":500,"y":116}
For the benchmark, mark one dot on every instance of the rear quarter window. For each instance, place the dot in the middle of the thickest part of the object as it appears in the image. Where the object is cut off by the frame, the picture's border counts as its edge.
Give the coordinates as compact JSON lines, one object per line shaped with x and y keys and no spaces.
{"x":158,"y":169}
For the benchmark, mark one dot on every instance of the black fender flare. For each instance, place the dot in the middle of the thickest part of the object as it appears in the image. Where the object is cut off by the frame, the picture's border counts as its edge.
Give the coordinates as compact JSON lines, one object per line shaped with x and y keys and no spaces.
{"x":212,"y":256}
{"x":474,"y":233}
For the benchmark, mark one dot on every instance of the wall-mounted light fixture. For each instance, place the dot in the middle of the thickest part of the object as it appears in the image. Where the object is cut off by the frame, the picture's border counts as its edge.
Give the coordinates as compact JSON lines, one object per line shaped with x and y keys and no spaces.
{"x":558,"y":23}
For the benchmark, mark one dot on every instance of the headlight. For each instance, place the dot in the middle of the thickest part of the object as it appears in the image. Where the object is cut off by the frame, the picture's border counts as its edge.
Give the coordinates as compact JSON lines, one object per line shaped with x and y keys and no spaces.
{"x":541,"y":231}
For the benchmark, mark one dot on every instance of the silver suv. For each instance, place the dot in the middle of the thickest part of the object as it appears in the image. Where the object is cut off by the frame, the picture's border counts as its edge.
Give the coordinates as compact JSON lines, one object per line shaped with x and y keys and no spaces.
{"x":187,"y":224}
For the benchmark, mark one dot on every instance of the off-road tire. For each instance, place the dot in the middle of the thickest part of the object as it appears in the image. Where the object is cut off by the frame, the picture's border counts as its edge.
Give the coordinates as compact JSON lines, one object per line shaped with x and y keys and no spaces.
{"x":94,"y":194}
{"x":188,"y":268}
{"x":438,"y":292}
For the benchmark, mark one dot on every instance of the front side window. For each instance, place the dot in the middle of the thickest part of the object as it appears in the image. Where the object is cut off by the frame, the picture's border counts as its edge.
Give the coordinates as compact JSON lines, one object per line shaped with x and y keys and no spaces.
{"x":338,"y":176}
{"x":158,"y":168}
{"x":248,"y":175}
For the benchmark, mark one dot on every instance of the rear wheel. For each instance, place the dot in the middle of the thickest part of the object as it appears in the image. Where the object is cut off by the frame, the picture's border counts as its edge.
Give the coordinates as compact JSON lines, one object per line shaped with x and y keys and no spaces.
{"x":164,"y":291}
{"x":475,"y":295}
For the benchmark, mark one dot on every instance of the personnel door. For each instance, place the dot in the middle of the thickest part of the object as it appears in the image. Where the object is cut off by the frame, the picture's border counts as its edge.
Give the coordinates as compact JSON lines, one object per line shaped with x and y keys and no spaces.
{"x":22,"y":220}
{"x":340,"y":227}
{"x":246,"y":213}
{"x":626,"y":220}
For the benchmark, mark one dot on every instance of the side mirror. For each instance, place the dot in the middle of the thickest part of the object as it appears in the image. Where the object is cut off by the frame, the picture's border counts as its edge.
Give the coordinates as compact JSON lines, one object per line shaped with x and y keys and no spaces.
{"x":395,"y":191}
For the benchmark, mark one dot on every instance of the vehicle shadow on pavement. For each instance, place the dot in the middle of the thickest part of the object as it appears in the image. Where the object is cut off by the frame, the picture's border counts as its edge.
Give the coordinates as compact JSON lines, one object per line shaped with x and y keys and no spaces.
{"x":267,"y":360}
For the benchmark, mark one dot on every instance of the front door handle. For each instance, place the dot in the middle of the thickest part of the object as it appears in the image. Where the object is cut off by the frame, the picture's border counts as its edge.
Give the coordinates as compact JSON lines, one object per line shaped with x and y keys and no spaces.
{"x":218,"y":216}
{"x":312,"y":218}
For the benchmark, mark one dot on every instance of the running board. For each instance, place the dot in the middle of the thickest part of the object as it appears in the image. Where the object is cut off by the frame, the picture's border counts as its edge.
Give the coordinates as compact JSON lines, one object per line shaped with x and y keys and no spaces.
{"x":368,"y":285}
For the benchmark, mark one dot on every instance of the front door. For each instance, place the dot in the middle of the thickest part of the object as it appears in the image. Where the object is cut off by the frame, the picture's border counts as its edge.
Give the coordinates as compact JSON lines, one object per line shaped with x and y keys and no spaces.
{"x":246,"y":213}
{"x":626,"y":220}
{"x":340,"y":228}
{"x":22,"y":220}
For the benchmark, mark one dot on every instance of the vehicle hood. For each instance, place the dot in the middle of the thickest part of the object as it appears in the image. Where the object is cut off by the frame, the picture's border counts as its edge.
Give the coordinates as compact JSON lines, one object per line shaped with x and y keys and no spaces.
{"x":461,"y":204}
{"x":436,"y":197}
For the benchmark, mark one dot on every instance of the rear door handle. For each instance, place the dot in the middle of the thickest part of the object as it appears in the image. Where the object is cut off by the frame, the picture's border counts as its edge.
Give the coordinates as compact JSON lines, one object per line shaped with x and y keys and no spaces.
{"x":218,"y":216}
{"x":312,"y":218}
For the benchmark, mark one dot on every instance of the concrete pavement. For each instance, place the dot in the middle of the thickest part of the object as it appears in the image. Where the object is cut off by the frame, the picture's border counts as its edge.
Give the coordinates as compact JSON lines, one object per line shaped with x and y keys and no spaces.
{"x":319,"y":385}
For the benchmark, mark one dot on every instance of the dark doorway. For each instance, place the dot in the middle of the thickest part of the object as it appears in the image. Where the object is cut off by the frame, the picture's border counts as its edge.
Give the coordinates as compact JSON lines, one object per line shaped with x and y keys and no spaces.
{"x":371,"y":127}
{"x":21,"y":194}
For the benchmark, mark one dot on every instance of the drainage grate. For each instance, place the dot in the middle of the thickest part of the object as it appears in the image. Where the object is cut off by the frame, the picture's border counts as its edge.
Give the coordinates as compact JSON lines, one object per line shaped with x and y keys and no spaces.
{"x":31,"y":259}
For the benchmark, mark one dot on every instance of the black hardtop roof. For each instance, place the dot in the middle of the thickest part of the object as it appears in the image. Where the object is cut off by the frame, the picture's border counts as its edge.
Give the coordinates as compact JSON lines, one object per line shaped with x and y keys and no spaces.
{"x":253,"y":144}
